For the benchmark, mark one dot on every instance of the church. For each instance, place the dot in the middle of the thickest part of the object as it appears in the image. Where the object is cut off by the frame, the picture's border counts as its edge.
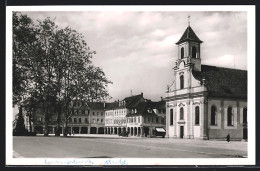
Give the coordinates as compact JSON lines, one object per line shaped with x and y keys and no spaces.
{"x":204,"y":102}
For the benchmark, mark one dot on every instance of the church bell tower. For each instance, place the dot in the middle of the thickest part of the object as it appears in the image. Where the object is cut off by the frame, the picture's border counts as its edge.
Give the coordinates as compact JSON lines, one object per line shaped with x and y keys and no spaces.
{"x":189,"y":49}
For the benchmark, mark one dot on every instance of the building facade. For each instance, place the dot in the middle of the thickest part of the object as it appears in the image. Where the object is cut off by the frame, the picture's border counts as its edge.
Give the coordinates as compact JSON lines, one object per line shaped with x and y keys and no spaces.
{"x":205,"y":102}
{"x":115,"y":115}
{"x":85,"y":118}
{"x":136,"y":115}
{"x":145,"y":117}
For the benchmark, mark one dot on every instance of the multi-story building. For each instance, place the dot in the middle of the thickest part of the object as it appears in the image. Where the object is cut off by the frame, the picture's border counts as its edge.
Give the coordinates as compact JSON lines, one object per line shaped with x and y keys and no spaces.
{"x":145,"y":117}
{"x":115,"y":115}
{"x":96,"y":117}
{"x":85,"y":118}
{"x":136,"y":115}
{"x":206,"y":102}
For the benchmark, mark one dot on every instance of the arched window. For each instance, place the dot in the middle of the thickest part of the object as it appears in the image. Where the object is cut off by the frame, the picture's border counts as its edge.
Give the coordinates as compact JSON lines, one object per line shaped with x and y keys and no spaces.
{"x":194,"y":52}
{"x":171,"y":117}
{"x":182,"y":53}
{"x":197,"y":115}
{"x":229,"y":116}
{"x":181,"y":82}
{"x":213,"y":115}
{"x":245,"y":115}
{"x":181,"y":113}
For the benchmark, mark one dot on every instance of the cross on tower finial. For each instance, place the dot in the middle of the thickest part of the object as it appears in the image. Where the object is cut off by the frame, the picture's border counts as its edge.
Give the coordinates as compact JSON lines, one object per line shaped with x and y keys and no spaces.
{"x":188,"y":20}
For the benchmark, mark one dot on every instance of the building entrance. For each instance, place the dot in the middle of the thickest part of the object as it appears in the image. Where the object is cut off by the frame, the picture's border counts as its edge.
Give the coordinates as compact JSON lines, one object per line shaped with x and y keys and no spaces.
{"x":245,"y":133}
{"x":181,"y":131}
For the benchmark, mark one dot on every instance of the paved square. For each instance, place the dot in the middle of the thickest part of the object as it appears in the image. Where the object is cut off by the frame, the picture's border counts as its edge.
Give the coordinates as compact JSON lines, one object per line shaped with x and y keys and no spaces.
{"x":113,"y":146}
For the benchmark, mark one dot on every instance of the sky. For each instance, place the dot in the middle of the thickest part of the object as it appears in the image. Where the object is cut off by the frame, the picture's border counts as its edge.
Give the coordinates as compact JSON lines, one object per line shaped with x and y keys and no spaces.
{"x":137,"y":50}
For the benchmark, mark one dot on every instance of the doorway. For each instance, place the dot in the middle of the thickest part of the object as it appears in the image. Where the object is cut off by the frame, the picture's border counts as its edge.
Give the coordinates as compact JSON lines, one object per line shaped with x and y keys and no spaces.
{"x":245,"y":133}
{"x":181,"y":131}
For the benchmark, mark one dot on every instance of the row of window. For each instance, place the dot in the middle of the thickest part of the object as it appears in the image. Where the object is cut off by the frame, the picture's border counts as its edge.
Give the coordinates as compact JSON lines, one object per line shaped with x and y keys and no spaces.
{"x":182,"y":115}
{"x":213,"y":118}
{"x":117,"y":112}
{"x":83,"y":112}
{"x":154,"y":120}
{"x":134,"y":119}
{"x":115,"y":121}
{"x":119,"y":121}
{"x":86,"y":120}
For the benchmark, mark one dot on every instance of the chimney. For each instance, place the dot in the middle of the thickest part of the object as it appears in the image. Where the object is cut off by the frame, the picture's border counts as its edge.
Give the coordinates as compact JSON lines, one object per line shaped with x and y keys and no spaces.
{"x":142,"y":94}
{"x":161,"y":99}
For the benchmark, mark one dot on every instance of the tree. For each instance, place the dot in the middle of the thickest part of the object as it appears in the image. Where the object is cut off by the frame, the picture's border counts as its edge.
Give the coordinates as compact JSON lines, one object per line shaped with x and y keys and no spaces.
{"x":75,"y":73}
{"x":23,"y":41}
{"x":41,"y":75}
{"x":57,"y":70}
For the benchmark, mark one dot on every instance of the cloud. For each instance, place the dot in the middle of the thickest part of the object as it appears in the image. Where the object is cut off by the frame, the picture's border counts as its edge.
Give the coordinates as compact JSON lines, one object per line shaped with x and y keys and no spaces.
{"x":137,"y":50}
{"x":223,"y":61}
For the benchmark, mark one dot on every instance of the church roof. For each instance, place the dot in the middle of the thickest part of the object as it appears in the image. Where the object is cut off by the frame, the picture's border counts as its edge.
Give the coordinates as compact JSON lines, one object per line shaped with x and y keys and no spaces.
{"x":223,"y":82}
{"x":189,"y":35}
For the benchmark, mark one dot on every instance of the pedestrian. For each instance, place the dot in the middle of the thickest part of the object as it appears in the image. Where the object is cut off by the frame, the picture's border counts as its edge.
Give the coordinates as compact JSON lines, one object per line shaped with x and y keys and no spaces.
{"x":228,"y":138}
{"x":73,"y":132}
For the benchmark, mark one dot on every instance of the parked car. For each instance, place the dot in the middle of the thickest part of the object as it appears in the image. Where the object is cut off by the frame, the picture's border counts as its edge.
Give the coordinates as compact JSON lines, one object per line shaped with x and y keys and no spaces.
{"x":123,"y":134}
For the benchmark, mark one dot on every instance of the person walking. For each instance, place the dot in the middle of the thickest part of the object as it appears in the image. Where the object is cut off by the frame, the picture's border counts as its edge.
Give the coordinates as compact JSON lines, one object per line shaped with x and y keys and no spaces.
{"x":228,"y":138}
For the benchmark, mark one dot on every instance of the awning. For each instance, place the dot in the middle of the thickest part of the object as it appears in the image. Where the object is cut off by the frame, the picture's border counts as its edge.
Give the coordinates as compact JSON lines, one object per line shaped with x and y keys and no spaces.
{"x":160,"y":130}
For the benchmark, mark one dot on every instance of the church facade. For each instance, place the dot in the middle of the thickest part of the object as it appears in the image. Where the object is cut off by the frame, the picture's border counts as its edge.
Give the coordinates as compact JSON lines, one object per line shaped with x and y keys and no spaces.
{"x":204,"y":102}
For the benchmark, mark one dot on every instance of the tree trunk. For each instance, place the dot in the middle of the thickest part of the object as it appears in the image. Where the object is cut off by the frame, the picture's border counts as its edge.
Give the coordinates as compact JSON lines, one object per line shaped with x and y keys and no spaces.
{"x":46,"y":129}
{"x":46,"y":123}
{"x":65,"y":129}
{"x":30,"y":122}
{"x":57,"y":133}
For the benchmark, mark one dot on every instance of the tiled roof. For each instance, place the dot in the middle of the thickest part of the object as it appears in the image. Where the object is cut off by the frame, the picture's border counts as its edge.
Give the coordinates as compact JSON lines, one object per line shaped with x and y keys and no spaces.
{"x":132,"y":100}
{"x":189,"y":35}
{"x":112,"y":105}
{"x":96,"y":105}
{"x":159,"y":105}
{"x":142,"y":109}
{"x":223,"y":82}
